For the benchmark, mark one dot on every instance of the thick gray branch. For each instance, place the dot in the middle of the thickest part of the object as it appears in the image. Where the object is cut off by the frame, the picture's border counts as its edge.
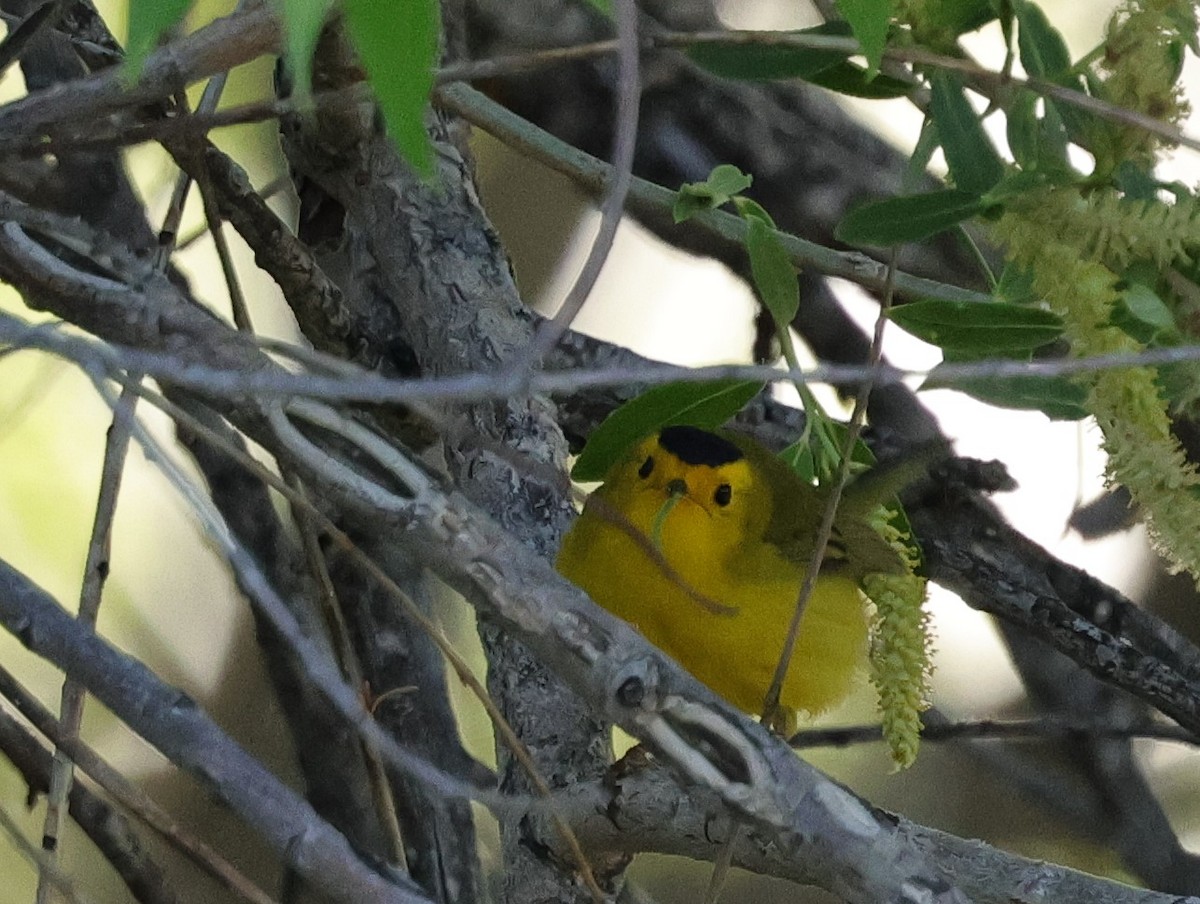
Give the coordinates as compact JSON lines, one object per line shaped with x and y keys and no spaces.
{"x":640,"y":810}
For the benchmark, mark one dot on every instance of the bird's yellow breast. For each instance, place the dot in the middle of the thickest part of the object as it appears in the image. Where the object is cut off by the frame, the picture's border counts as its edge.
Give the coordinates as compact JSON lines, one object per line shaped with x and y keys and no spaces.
{"x":702,"y":583}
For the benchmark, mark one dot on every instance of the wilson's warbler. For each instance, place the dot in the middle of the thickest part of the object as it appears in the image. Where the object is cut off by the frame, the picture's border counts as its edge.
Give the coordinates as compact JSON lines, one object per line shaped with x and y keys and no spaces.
{"x":701,"y":541}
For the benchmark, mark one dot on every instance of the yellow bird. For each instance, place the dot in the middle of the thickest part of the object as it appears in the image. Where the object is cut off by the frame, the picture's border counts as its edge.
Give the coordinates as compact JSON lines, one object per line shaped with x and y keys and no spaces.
{"x":701,"y":541}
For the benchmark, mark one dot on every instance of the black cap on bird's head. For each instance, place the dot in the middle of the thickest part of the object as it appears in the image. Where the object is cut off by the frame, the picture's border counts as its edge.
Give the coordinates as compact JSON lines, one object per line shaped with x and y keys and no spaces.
{"x":694,"y":446}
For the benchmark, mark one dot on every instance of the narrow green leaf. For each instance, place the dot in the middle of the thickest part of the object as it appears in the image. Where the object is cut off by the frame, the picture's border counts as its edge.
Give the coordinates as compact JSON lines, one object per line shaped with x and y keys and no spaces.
{"x":398,"y":43}
{"x":1084,"y":128}
{"x":1043,"y":51}
{"x":869,"y":20}
{"x":972,"y":159}
{"x":604,"y":7}
{"x":976,"y":329}
{"x":707,"y":405}
{"x":907,"y":219}
{"x":773,"y":272}
{"x":148,"y":19}
{"x":1056,"y":397}
{"x":302,"y":23}
{"x":722,"y":184}
{"x":1024,"y":181}
{"x":854,"y":81}
{"x":918,"y":163}
{"x":1021,"y":128}
{"x":1053,"y":139}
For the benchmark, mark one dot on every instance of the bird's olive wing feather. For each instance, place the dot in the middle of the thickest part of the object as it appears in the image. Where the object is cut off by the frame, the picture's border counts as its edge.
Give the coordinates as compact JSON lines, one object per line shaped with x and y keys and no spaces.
{"x":854,"y":546}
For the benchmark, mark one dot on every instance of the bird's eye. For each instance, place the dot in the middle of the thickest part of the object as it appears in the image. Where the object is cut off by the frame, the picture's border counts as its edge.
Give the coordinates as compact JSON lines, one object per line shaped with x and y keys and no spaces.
{"x":723,"y":495}
{"x":647,"y":467}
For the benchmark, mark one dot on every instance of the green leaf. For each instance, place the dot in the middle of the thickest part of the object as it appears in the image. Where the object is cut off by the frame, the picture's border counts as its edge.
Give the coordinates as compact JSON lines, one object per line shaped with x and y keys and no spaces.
{"x":398,"y":43}
{"x":1056,"y":397}
{"x":951,"y":18}
{"x":971,"y":330}
{"x":799,"y":457}
{"x":1135,"y":183}
{"x":976,"y":329}
{"x":604,"y":7}
{"x":759,"y":62}
{"x":818,"y":456}
{"x":1038,"y":142}
{"x":1144,"y":304}
{"x":751,"y":210}
{"x":1053,"y":139}
{"x":918,"y":163}
{"x":1043,"y":51}
{"x":854,"y":81}
{"x":773,"y":272}
{"x":1022,"y":182}
{"x":907,"y":219}
{"x":1016,"y":286}
{"x":148,"y":19}
{"x":869,"y":20}
{"x":302,"y":23}
{"x":722,"y":184}
{"x":972,"y":159}
{"x":1022,"y":128}
{"x":707,"y":405}
{"x":1084,"y":128}
{"x":1142,"y":314}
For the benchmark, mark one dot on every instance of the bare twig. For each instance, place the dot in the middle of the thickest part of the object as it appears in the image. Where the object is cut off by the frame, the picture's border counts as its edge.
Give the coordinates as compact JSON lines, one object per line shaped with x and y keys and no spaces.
{"x":129,"y":795}
{"x":653,"y":202}
{"x":187,"y":736}
{"x":43,"y":864}
{"x":108,"y":829}
{"x":367,"y":387}
{"x":836,"y":486}
{"x":95,"y":573}
{"x":628,"y":94}
{"x":1044,"y":728}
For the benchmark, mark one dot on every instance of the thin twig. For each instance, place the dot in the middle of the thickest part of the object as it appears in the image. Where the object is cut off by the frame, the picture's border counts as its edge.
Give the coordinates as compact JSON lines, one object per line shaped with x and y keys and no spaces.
{"x":624,"y":144}
{"x":371,"y":388}
{"x":212,"y":216}
{"x":129,"y":796}
{"x":270,"y":190}
{"x":518,"y":63}
{"x":95,"y":574}
{"x":339,"y":634}
{"x":43,"y":864}
{"x":1046,"y":728}
{"x":646,"y":199}
{"x":107,"y":828}
{"x":171,"y":722}
{"x":315,"y":660}
{"x":825,"y":531}
{"x":333,"y":687}
{"x":722,"y":864}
